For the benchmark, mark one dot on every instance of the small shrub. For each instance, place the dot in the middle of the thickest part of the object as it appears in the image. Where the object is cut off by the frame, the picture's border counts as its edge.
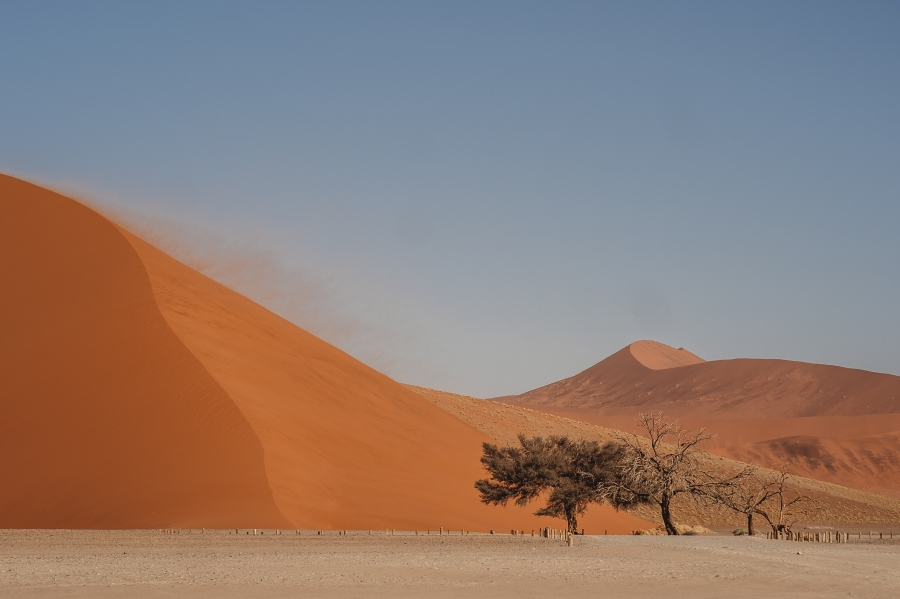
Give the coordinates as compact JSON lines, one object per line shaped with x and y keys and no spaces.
{"x":683,"y":529}
{"x":653,"y":532}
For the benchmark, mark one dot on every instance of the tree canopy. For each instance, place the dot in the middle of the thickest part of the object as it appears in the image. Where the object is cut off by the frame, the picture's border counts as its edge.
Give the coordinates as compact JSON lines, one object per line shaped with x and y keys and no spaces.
{"x":570,"y":473}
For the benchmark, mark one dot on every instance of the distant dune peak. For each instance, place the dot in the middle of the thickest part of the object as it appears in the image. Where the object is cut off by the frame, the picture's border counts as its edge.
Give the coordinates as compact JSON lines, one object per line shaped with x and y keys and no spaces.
{"x":839,"y":425}
{"x":659,"y":356}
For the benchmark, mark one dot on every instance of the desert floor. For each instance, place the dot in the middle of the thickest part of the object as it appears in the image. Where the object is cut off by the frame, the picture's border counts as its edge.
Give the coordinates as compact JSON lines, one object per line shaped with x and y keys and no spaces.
{"x":219,"y":564}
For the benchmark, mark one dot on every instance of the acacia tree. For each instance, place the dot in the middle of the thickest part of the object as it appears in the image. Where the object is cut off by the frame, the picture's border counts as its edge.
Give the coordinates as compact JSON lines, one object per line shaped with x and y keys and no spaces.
{"x":567,"y":470}
{"x":661,"y":466}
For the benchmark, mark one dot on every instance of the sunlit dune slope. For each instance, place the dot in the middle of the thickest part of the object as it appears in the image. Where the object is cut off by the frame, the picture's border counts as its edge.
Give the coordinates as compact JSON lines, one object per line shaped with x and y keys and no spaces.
{"x":825,"y":422}
{"x":136,"y":392}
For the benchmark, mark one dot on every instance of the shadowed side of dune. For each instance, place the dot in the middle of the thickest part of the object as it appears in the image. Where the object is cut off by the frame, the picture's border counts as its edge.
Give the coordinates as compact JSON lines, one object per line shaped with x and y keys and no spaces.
{"x":108,"y":420}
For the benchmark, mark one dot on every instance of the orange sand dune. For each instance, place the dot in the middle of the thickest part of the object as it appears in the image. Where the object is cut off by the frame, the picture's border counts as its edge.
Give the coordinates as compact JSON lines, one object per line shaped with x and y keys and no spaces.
{"x":740,"y":388}
{"x":136,"y":392}
{"x":826,"y":422}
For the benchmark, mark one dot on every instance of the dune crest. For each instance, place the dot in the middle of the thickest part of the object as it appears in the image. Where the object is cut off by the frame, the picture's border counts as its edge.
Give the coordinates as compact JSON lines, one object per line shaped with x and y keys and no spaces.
{"x":659,"y":356}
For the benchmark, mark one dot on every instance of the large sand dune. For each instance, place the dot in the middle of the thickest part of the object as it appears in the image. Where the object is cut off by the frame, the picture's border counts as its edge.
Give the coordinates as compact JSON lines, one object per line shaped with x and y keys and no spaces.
{"x":136,"y":392}
{"x":835,"y":424}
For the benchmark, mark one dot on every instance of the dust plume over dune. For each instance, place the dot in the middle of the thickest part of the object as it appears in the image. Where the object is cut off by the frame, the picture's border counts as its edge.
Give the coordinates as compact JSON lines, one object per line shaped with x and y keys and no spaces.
{"x":311,"y":300}
{"x":321,"y":294}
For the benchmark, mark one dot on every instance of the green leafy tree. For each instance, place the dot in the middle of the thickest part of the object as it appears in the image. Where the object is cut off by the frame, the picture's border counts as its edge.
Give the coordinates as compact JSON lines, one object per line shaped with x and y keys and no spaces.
{"x":568,"y":471}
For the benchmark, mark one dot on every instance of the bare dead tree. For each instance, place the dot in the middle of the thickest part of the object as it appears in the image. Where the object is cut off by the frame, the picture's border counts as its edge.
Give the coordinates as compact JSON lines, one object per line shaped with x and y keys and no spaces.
{"x":659,"y":467}
{"x":748,"y":494}
{"x":785,"y":506}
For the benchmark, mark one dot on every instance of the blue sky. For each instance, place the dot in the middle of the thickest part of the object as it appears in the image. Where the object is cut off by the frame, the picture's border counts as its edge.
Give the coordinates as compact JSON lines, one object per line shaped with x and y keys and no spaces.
{"x":486,"y":197}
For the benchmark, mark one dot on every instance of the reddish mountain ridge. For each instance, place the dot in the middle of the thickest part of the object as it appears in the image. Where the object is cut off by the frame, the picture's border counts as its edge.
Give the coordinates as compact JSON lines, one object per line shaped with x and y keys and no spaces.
{"x":827,"y":422}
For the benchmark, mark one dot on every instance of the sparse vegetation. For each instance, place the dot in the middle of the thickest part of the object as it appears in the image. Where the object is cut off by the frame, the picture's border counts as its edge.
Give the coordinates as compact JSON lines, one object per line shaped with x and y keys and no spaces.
{"x":766,"y":494}
{"x":661,"y":466}
{"x":686,"y":530}
{"x":567,"y":471}
{"x":840,"y":505}
{"x":787,"y":505}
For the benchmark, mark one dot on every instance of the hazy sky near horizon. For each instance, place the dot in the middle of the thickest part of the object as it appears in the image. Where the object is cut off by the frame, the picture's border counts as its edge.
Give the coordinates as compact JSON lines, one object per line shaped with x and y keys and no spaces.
{"x":486,"y":197}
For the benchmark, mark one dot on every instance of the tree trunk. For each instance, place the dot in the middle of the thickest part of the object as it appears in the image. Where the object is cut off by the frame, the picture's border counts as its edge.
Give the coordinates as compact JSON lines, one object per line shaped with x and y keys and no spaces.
{"x":572,"y":521}
{"x":750,"y":530}
{"x":667,"y":517}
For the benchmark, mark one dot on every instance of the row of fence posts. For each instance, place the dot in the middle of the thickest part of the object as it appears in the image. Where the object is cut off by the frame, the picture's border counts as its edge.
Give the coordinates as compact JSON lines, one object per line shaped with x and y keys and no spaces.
{"x":237,"y":531}
{"x":557,"y":534}
{"x":255,"y":531}
{"x":821,"y":537}
{"x":565,"y":535}
{"x":808,"y":537}
{"x":547,"y":532}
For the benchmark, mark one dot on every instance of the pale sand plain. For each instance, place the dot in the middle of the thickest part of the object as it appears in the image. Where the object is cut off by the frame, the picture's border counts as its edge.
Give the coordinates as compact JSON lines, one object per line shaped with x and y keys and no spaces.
{"x":47,"y":563}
